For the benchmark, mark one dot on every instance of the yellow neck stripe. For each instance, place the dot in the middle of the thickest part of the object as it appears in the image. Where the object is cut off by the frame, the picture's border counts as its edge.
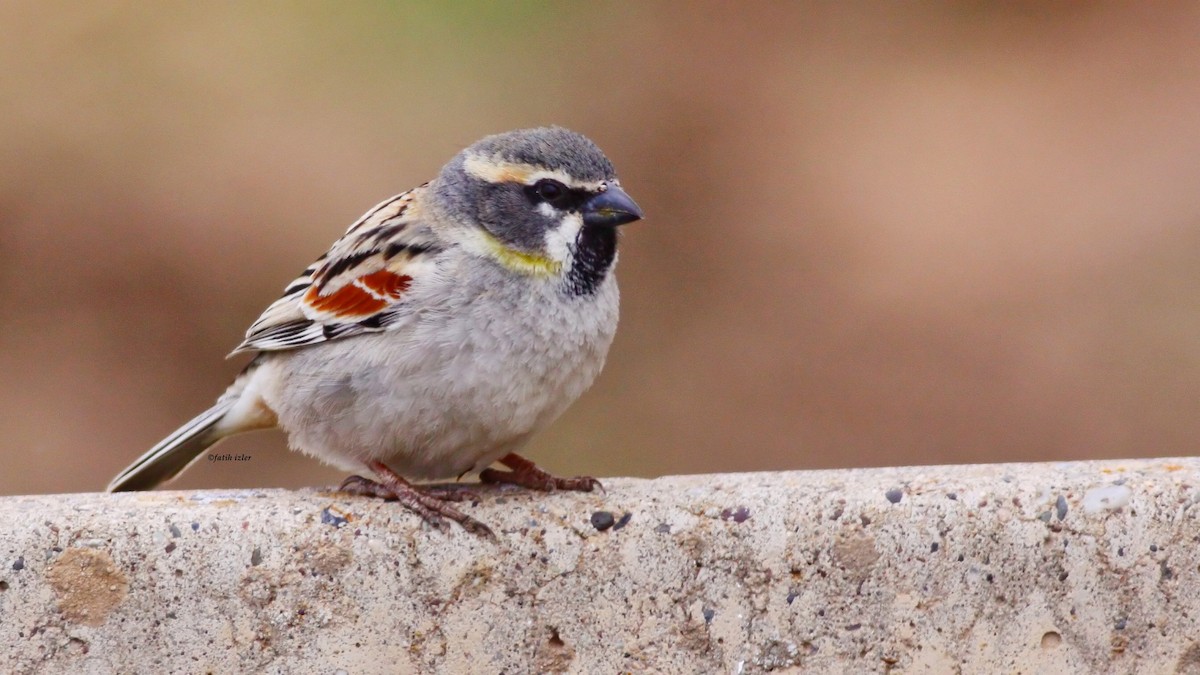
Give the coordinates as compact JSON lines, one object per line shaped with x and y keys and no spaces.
{"x":519,"y":261}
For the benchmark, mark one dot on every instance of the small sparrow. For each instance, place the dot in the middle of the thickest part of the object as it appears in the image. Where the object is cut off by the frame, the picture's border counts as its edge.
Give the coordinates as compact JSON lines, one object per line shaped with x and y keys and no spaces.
{"x":447,"y":326}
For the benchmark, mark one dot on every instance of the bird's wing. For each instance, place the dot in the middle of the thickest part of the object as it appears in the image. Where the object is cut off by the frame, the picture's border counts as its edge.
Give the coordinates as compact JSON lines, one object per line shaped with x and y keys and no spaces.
{"x":357,"y":287}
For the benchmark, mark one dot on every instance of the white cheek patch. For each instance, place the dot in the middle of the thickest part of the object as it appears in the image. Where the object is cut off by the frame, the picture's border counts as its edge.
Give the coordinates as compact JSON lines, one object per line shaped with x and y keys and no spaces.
{"x":560,"y":241}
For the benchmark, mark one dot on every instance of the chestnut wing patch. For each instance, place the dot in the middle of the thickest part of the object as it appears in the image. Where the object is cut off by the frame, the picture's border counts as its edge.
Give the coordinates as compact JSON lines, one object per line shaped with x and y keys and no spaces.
{"x":364,"y":297}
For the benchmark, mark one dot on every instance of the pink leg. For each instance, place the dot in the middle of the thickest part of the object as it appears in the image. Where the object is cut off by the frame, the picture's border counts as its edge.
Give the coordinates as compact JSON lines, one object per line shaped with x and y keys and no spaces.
{"x":527,"y":474}
{"x":429,"y":503}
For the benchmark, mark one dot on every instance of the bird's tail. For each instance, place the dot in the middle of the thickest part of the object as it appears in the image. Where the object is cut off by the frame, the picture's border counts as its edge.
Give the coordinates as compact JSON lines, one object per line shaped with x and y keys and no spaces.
{"x":174,"y":453}
{"x":239,"y":409}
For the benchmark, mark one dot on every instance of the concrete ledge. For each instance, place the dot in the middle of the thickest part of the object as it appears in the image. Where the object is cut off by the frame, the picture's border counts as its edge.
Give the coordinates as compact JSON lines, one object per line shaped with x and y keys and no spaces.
{"x":1080,"y":567}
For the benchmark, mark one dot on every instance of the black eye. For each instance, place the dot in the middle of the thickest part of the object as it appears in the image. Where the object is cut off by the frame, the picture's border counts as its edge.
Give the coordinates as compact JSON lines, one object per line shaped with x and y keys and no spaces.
{"x":552,"y":192}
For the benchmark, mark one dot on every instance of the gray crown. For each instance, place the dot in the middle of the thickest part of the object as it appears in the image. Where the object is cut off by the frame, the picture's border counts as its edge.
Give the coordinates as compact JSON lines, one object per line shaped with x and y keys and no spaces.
{"x":554,"y":148}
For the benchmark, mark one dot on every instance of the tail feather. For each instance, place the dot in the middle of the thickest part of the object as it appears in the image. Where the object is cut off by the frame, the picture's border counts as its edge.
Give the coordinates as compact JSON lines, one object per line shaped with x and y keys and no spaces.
{"x":174,"y":453}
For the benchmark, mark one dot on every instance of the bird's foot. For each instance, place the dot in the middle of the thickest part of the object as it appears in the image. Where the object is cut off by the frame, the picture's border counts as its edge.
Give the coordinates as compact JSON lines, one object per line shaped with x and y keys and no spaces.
{"x":428,"y":502}
{"x":527,"y":474}
{"x":449,"y":492}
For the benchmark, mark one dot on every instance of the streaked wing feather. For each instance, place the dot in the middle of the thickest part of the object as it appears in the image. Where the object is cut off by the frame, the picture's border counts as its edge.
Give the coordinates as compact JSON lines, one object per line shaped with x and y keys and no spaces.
{"x":357,"y":287}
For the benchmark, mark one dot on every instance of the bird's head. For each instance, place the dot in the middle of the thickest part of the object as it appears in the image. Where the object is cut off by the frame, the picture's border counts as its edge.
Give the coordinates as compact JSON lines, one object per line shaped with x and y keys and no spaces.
{"x":542,"y":201}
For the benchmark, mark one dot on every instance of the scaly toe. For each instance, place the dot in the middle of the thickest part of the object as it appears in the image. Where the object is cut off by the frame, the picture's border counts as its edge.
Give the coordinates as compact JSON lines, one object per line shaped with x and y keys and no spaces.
{"x":449,"y":493}
{"x":365,"y":487}
{"x":578,"y":484}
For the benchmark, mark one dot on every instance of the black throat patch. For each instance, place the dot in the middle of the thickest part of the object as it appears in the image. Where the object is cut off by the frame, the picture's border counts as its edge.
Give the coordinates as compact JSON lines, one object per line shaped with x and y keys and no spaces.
{"x":595,"y":249}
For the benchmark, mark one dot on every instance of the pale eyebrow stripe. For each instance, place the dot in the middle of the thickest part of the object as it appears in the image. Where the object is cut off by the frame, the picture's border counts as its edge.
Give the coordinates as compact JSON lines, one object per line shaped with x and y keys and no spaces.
{"x":499,"y":171}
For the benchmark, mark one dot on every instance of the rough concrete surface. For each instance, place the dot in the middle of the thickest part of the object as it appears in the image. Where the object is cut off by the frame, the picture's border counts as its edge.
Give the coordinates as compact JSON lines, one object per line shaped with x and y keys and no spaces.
{"x":1050,"y":568}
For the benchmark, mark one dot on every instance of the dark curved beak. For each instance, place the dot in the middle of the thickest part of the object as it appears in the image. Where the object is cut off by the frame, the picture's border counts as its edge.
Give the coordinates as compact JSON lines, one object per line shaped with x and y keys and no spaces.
{"x":610,"y":208}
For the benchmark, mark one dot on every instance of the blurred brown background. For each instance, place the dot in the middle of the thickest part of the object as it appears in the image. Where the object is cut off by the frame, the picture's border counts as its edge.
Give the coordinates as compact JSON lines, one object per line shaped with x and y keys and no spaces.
{"x":877,"y":234}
